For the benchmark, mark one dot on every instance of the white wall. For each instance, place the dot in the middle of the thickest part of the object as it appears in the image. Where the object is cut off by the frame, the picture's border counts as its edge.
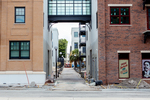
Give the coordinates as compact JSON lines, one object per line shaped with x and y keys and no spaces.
{"x":15,"y":77}
{"x":46,"y":41}
{"x":74,"y":39}
{"x":55,"y":42}
{"x":83,"y":39}
{"x":92,"y":43}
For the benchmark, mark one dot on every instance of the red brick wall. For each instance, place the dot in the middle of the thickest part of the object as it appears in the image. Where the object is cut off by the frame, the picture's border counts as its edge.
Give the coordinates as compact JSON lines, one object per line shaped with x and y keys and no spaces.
{"x":101,"y":40}
{"x":114,"y":38}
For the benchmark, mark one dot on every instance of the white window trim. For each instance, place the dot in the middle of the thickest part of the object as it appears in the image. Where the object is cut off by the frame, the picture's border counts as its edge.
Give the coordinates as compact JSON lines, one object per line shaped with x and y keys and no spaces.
{"x":145,"y":79}
{"x":21,"y":72}
{"x":19,"y":60}
{"x":127,"y":79}
{"x":146,"y":31}
{"x":120,"y":25}
{"x":119,"y":5}
{"x":121,"y":51}
{"x":147,"y":5}
{"x":122,"y":79}
{"x":145,"y":51}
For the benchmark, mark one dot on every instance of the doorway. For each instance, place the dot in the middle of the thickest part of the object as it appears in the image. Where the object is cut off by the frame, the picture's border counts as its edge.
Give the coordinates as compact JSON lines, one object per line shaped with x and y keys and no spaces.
{"x":91,"y":69}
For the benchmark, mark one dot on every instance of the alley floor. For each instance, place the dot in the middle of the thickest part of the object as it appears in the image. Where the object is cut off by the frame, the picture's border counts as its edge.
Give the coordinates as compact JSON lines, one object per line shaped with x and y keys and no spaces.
{"x":69,"y":80}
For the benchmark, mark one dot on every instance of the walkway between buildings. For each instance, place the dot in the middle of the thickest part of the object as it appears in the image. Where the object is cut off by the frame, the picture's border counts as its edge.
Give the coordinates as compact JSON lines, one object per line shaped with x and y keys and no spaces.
{"x":69,"y":80}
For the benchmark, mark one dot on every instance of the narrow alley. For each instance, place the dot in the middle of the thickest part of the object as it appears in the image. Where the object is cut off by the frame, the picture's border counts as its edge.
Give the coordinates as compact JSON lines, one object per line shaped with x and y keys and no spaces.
{"x":69,"y":80}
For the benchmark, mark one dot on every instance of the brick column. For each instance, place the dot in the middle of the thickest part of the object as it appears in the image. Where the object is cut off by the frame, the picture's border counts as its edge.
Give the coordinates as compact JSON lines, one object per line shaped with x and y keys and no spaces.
{"x":3,"y":36}
{"x":37,"y":35}
{"x":101,"y":41}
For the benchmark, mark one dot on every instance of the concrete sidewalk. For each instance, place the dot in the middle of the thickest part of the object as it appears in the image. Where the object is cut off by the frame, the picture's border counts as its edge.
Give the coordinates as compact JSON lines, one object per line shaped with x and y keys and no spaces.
{"x":70,"y":80}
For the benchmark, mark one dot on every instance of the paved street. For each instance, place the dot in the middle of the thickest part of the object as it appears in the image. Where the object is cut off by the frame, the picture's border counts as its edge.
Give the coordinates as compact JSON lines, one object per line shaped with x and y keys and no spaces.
{"x":71,"y":87}
{"x":70,"y":80}
{"x":74,"y":95}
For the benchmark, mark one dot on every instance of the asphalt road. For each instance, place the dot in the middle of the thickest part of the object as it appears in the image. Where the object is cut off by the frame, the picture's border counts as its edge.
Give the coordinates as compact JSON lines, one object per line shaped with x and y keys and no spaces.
{"x":72,"y":87}
{"x":37,"y":93}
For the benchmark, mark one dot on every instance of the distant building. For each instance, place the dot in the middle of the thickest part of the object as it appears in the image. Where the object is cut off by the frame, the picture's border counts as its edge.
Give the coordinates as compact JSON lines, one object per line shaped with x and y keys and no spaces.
{"x":78,"y":41}
{"x":75,"y":38}
{"x":70,"y":49}
{"x":55,"y":43}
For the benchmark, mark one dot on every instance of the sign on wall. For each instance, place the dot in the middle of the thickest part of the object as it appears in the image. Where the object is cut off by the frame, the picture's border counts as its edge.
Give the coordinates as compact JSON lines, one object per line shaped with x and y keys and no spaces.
{"x":123,"y":69}
{"x":146,"y":68}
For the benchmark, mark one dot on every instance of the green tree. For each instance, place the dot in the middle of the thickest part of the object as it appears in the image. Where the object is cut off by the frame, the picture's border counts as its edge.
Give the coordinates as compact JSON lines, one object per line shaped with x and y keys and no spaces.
{"x":63,"y":47}
{"x":74,"y":57}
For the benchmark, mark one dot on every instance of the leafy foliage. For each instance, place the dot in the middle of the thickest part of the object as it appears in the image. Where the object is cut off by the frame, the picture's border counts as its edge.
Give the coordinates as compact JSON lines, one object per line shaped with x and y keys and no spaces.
{"x":74,"y":57}
{"x":62,"y":47}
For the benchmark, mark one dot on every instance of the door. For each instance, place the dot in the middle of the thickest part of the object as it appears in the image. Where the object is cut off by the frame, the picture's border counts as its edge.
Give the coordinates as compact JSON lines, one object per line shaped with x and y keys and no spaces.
{"x":96,"y":69}
{"x":93,"y":67}
{"x":47,"y":66}
{"x":91,"y":63}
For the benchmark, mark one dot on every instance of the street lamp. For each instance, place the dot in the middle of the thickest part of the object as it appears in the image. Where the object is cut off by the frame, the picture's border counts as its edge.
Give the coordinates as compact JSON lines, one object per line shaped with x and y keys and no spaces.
{"x":60,"y":54}
{"x":80,"y":59}
{"x":56,"y":58}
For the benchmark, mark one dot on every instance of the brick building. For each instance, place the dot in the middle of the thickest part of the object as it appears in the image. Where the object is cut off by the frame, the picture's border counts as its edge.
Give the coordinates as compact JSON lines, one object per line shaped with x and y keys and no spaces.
{"x":21,"y":41}
{"x":123,"y":39}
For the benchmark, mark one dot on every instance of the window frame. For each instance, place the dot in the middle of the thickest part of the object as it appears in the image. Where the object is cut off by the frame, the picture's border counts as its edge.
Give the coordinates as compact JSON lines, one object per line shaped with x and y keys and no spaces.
{"x":20,"y":15}
{"x":148,"y":19}
{"x":74,"y":45}
{"x":85,"y":7}
{"x":84,"y":47}
{"x":77,"y":34}
{"x":19,"y":50}
{"x":128,"y":65}
{"x":120,"y":16}
{"x":142,"y":64}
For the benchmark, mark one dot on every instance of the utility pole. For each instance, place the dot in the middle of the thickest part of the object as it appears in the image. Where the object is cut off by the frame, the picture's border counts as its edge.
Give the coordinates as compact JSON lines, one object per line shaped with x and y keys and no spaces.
{"x":56,"y":59}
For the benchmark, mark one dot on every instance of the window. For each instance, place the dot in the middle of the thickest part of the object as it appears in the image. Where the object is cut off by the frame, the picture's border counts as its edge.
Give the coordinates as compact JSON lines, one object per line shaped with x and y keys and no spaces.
{"x":123,"y":65}
{"x":75,"y":34}
{"x":19,"y":14}
{"x":75,"y":45}
{"x":69,"y":7}
{"x":145,"y":65}
{"x":19,"y":50}
{"x":119,"y":15}
{"x":84,"y":49}
{"x":148,"y":18}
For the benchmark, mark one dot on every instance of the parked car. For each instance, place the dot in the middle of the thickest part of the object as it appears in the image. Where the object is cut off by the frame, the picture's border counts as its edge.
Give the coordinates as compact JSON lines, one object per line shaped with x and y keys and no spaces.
{"x":67,"y":65}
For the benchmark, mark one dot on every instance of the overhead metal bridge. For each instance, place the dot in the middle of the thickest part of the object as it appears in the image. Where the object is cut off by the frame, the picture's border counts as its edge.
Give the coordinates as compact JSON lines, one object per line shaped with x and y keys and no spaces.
{"x":69,"y":11}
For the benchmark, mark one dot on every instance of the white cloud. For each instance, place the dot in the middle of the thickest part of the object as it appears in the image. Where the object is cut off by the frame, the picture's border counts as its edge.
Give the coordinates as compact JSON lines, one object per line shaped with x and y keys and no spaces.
{"x":64,"y":30}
